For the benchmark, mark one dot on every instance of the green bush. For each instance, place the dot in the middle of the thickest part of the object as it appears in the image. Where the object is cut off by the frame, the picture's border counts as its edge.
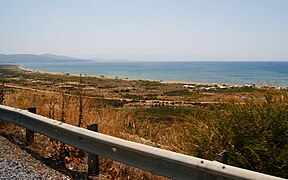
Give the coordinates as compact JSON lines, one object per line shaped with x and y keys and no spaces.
{"x":133,"y":96}
{"x":163,"y":114}
{"x":254,"y":133}
{"x":260,"y":137}
{"x":182,"y":92}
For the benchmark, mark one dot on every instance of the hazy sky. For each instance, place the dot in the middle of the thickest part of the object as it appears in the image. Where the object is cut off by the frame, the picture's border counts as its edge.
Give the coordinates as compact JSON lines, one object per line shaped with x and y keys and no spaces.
{"x":146,"y":29}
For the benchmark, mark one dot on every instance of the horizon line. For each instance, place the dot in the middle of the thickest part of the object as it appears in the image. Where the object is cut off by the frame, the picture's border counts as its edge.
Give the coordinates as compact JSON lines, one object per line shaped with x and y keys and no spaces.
{"x":153,"y":59}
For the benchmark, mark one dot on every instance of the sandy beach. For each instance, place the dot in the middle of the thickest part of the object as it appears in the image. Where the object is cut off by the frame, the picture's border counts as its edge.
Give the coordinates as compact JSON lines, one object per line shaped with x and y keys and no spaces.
{"x":110,"y":77}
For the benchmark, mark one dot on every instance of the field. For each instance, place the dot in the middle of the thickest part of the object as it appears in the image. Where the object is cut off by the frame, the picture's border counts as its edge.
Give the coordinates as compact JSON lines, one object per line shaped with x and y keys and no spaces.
{"x":250,"y":123}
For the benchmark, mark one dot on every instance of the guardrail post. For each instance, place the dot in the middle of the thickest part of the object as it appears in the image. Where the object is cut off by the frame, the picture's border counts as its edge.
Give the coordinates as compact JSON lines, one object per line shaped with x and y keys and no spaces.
{"x":29,"y":137}
{"x":222,"y":157}
{"x":93,"y":159}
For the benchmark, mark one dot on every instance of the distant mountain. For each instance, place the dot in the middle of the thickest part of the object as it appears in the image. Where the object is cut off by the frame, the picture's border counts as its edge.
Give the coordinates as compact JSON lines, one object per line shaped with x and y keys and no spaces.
{"x":109,"y":60}
{"x":53,"y":56}
{"x":20,"y":58}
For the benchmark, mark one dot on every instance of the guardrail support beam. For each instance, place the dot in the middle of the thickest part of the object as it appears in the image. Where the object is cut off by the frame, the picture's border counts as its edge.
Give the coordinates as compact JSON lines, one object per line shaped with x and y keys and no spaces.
{"x":29,"y":137}
{"x":222,"y":157}
{"x":93,"y":159}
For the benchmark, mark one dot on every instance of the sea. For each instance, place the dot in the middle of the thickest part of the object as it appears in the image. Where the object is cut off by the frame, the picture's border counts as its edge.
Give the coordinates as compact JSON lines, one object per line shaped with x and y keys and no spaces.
{"x":260,"y":73}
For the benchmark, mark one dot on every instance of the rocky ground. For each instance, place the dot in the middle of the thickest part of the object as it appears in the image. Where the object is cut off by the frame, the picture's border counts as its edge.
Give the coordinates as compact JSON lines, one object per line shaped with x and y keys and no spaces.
{"x":18,"y":164}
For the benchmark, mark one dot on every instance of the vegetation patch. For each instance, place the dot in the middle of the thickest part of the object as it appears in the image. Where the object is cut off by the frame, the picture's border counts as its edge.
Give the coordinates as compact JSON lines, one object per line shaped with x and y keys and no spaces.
{"x":182,"y":92}
{"x":163,"y":114}
{"x":133,"y":96}
{"x":115,"y":103}
{"x":241,"y":89}
{"x":152,"y":83}
{"x":255,"y":134}
{"x":107,"y":87}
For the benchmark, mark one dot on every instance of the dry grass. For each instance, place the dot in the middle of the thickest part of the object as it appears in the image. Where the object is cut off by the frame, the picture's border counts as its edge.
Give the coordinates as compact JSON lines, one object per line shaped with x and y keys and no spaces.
{"x":254,"y":131}
{"x":110,"y":121}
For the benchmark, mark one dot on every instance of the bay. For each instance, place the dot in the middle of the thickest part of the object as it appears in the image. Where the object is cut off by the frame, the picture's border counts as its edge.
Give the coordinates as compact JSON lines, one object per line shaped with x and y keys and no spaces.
{"x":273,"y":73}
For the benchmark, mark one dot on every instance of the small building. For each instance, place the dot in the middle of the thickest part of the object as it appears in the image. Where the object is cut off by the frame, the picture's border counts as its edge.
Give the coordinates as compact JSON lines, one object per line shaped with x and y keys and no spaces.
{"x":188,"y":87}
{"x":249,"y":85}
{"x":223,"y":87}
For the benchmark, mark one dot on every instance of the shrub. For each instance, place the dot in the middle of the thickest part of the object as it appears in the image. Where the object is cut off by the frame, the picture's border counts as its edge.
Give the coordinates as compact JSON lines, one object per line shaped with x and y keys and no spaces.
{"x":254,"y":133}
{"x":182,"y":92}
{"x":260,"y":137}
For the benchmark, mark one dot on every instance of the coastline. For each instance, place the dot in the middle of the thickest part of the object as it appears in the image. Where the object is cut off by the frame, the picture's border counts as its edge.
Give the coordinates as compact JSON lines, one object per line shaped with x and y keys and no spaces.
{"x":113,"y":78}
{"x":260,"y":74}
{"x":182,"y":83}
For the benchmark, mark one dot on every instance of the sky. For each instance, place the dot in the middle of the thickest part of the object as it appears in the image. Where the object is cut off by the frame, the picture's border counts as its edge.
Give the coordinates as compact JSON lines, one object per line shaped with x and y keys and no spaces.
{"x":146,"y":29}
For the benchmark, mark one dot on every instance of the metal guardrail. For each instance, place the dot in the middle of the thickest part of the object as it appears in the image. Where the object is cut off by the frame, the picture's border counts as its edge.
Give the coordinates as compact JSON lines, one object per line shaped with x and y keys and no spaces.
{"x":158,"y":161}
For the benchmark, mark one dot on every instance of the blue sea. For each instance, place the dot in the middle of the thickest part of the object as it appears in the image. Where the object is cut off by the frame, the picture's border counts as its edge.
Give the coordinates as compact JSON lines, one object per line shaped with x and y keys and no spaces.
{"x":274,"y":73}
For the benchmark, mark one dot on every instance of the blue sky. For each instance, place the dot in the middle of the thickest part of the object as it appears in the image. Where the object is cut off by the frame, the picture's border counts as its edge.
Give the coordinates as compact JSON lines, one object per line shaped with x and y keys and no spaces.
{"x":146,"y":29}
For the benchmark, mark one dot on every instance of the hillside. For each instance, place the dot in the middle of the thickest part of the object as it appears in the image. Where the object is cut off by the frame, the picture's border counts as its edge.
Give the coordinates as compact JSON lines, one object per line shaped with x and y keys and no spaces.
{"x":20,"y":58}
{"x":250,"y":123}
